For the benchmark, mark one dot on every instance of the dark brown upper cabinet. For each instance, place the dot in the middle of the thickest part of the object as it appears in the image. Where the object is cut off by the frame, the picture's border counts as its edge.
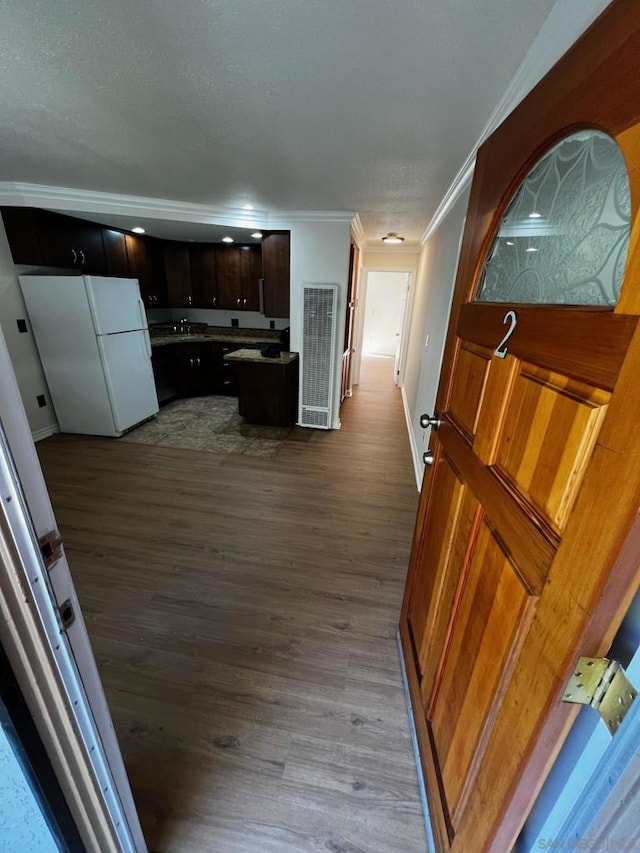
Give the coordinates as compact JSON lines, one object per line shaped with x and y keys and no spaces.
{"x":228,"y":276}
{"x":276,"y":274}
{"x":145,"y":258}
{"x":41,"y":238}
{"x":250,"y":275}
{"x":204,"y":282}
{"x":177,"y":270}
{"x":115,"y":252}
{"x":71,"y":243}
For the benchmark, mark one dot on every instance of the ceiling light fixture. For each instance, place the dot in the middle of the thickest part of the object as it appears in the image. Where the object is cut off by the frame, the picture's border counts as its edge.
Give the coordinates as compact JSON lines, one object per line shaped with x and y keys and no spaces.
{"x":138,"y":230}
{"x":510,"y":243}
{"x":531,"y":249}
{"x":392,"y":238}
{"x":227,"y":239}
{"x":247,"y":207}
{"x":535,"y":215}
{"x":257,"y":235}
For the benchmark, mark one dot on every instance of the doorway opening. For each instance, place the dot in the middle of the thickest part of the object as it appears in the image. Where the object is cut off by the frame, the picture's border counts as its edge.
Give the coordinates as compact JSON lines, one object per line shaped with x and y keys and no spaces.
{"x":384,"y":311}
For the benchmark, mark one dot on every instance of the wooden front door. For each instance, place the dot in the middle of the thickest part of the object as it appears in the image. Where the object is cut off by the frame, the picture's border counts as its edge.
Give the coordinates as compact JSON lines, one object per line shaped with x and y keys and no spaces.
{"x":525,"y":554}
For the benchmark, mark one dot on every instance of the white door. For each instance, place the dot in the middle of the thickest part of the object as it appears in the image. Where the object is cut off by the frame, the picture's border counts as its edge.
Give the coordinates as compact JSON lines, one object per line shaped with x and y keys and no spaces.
{"x":126,"y":359}
{"x":116,"y":305}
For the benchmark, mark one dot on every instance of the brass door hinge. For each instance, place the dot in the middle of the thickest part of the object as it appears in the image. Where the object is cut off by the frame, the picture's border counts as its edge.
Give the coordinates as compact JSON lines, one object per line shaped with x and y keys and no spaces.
{"x":602,"y":684}
{"x":51,"y":548}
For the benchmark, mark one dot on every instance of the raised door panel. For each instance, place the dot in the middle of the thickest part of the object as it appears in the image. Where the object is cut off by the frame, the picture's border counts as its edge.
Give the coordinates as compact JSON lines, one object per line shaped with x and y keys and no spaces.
{"x":178,"y":275}
{"x":276,"y":274}
{"x":492,"y":612}
{"x":250,"y":273}
{"x":204,"y":285}
{"x":471,"y":374}
{"x":228,"y":277}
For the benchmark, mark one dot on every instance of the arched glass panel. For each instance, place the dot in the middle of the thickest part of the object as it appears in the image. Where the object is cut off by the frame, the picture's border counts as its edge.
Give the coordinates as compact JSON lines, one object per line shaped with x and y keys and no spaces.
{"x":565,"y":235}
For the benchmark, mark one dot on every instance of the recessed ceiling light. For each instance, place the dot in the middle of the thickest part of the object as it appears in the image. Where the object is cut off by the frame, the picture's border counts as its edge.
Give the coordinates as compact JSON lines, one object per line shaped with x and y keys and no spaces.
{"x":257,"y":234}
{"x":247,"y":207}
{"x":138,"y":230}
{"x":531,"y":249}
{"x":535,"y":215}
{"x":227,"y":239}
{"x":510,"y":243}
{"x":392,"y":238}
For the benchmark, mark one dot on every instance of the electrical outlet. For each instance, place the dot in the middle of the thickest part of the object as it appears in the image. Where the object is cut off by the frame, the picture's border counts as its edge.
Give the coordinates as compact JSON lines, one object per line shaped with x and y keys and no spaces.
{"x":235,"y":323}
{"x":272,"y":324}
{"x":42,"y":400}
{"x":22,"y":325}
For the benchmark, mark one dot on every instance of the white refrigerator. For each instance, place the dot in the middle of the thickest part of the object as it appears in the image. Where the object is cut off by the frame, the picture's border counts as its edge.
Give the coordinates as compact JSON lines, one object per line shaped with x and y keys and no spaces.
{"x":92,"y":336}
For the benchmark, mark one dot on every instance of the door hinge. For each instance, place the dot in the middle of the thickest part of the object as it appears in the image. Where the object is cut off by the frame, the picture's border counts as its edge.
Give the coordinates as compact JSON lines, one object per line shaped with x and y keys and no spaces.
{"x":66,"y":614}
{"x":51,"y":548}
{"x":602,"y":684}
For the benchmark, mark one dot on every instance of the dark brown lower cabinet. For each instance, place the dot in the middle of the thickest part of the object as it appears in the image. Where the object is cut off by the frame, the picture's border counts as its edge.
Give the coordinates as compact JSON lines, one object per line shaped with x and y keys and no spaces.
{"x":267,"y":391}
{"x":193,"y":369}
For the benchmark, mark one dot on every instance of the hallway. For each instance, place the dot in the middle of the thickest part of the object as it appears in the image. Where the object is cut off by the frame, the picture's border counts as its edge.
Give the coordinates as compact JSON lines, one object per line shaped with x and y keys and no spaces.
{"x":243,"y":614}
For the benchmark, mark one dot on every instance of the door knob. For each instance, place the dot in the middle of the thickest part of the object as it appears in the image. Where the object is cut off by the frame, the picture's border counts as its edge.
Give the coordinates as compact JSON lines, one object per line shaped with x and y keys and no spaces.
{"x":428,"y":457}
{"x":432,"y":421}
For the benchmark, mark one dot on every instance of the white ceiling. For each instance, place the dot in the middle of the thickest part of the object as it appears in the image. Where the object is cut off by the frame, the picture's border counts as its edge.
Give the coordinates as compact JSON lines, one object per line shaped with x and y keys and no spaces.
{"x":330,"y":105}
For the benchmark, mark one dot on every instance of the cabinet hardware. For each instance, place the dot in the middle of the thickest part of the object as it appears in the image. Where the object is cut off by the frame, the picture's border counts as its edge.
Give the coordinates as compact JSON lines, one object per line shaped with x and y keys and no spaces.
{"x":214,"y":300}
{"x":189,"y":300}
{"x":190,"y":362}
{"x":81,"y":257}
{"x":238,"y":302}
{"x":428,"y":457}
{"x":198,"y":362}
{"x":432,"y":421}
{"x":244,"y":303}
{"x":75,"y":256}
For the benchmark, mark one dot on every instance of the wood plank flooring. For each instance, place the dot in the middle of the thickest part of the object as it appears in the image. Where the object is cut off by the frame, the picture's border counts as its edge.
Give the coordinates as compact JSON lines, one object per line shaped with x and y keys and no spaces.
{"x":243,"y":614}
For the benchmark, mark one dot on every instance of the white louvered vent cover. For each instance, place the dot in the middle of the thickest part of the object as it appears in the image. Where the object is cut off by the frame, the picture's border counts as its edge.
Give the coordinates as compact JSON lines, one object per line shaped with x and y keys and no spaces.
{"x":319,"y":314}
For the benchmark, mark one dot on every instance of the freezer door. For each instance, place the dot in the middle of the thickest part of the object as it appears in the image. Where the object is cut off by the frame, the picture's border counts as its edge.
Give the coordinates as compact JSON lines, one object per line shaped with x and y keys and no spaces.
{"x":126,"y":359}
{"x":115,"y":304}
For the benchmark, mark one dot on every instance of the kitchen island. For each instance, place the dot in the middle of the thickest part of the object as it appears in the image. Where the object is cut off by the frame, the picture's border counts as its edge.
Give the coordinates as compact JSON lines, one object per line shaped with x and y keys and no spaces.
{"x":267,"y":387}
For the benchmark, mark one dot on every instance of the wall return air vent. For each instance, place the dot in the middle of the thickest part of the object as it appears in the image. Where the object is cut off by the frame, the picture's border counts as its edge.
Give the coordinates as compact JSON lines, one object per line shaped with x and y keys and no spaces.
{"x":319,"y":319}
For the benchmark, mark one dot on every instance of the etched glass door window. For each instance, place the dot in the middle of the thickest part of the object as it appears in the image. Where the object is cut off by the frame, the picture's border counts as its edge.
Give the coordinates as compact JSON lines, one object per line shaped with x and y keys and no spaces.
{"x":565,"y":234}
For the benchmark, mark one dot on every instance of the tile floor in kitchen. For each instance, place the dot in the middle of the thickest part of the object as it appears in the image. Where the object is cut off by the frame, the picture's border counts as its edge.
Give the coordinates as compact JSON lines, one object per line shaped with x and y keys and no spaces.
{"x":213,"y":424}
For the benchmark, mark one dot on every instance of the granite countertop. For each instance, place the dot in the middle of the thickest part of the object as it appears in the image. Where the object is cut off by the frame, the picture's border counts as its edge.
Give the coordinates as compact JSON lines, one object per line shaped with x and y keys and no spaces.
{"x":216,"y":334}
{"x":256,"y":355}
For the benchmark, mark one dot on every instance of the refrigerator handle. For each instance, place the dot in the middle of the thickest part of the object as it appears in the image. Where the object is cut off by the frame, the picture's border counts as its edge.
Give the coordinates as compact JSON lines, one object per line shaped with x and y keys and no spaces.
{"x":143,"y":316}
{"x":147,"y":341}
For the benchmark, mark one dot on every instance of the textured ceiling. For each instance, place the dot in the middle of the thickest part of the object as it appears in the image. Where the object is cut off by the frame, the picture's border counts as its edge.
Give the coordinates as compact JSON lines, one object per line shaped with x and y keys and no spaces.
{"x":287,"y":104}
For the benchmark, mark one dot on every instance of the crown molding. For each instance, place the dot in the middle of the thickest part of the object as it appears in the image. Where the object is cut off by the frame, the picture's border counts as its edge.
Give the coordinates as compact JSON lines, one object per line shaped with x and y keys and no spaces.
{"x":91,"y":201}
{"x":566,"y":22}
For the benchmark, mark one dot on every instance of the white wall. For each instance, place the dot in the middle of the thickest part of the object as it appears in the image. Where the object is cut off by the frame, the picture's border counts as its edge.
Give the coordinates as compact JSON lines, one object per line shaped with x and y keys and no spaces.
{"x":384,"y":300}
{"x":21,"y":346}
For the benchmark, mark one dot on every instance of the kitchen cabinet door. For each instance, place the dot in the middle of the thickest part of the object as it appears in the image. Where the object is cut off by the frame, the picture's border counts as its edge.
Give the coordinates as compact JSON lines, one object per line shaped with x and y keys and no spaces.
{"x":228,"y":276}
{"x":115,"y":251}
{"x":275,"y":271}
{"x":250,"y":275}
{"x":146,"y":263}
{"x":204,"y":283}
{"x":194,"y":369}
{"x":178,"y":275}
{"x":71,"y":243}
{"x":21,"y":225}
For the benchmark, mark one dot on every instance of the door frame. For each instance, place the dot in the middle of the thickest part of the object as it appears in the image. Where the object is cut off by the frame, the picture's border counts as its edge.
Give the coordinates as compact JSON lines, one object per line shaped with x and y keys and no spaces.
{"x":580,"y":84}
{"x":54,"y":667}
{"x":360,"y":319}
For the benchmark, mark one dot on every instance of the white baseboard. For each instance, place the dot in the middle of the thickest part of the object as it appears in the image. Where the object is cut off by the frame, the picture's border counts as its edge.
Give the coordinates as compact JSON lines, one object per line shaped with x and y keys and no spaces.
{"x":45,"y":432}
{"x":431,"y":845}
{"x":415,"y":452}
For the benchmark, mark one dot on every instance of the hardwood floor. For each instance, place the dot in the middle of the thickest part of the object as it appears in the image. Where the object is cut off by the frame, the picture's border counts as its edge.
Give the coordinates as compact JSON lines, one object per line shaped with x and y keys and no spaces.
{"x":243,"y":614}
